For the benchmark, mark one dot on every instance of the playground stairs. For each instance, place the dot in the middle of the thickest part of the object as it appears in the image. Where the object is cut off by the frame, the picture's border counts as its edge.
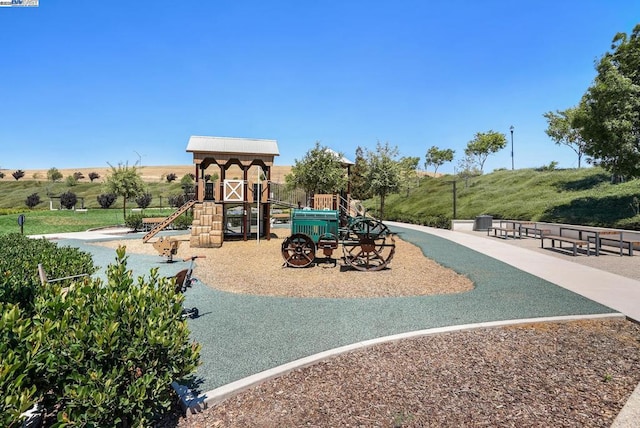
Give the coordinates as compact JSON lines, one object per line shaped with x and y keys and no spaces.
{"x":207,"y":229}
{"x":167,"y":221}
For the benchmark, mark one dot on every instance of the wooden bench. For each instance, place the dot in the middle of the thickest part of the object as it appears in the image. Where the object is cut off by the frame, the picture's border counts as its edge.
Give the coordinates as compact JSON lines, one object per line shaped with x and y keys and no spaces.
{"x":504,"y":232}
{"x":573,"y":241}
{"x":617,"y":242}
{"x":537,"y":233}
{"x":149,"y":223}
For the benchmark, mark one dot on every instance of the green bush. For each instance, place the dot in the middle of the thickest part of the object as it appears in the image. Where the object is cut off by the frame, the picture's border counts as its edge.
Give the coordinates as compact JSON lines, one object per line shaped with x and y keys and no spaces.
{"x":134,"y":221}
{"x":19,"y":259}
{"x":183,"y":221}
{"x":97,"y":354}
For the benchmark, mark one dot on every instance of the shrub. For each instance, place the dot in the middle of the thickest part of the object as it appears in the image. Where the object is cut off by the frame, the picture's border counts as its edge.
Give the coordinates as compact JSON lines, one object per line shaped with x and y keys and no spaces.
{"x":68,"y":200}
{"x":171,"y":177}
{"x":176,"y":201}
{"x":144,"y":200}
{"x":134,"y":221}
{"x":93,"y":176}
{"x":53,"y":175}
{"x":71,"y":181}
{"x":183,"y":221}
{"x":100,"y":354}
{"x":32,"y":200}
{"x":1,"y":174}
{"x":78,"y":175}
{"x":18,"y":174}
{"x":106,"y":199}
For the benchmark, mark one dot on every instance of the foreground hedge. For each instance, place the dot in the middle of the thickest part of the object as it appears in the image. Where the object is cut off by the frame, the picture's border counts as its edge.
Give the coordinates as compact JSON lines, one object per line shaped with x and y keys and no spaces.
{"x":94,"y":354}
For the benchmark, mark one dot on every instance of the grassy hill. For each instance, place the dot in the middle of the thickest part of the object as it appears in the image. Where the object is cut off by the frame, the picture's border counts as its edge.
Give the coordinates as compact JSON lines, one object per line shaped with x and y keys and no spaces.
{"x":577,"y":196}
{"x":14,"y":193}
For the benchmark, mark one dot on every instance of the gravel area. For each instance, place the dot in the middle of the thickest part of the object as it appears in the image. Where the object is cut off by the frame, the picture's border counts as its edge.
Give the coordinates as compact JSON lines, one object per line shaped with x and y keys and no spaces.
{"x":572,"y":374}
{"x":249,"y":267}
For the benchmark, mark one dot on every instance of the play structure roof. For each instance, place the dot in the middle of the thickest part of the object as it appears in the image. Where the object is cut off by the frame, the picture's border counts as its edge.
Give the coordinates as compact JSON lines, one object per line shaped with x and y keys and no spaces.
{"x":248,"y":146}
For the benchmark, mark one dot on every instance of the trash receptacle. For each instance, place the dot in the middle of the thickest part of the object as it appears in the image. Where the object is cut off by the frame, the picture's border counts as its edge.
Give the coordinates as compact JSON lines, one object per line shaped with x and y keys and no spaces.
{"x":483,"y":222}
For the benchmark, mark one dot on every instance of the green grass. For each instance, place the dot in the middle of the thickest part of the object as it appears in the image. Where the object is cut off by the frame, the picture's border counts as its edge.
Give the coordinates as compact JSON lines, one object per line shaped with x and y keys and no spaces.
{"x":44,"y":221}
{"x":578,"y":196}
{"x":14,"y":193}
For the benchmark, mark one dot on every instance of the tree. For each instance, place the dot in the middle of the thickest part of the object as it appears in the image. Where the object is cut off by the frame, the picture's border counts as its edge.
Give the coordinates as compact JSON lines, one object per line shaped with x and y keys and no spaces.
{"x":483,"y":145}
{"x":467,"y":169}
{"x":187,"y":183}
{"x":32,"y":200}
{"x":143,"y":201}
{"x":562,"y":129}
{"x":609,"y":112}
{"x":171,"y":177}
{"x":437,"y":157}
{"x":1,"y":174}
{"x":54,"y":175}
{"x":106,"y":199}
{"x":78,"y":175}
{"x":384,"y":172}
{"x":320,"y":171}
{"x":17,"y":174}
{"x":68,"y":200}
{"x":408,"y":175}
{"x":126,"y":182}
{"x":359,"y":185}
{"x":93,"y":176}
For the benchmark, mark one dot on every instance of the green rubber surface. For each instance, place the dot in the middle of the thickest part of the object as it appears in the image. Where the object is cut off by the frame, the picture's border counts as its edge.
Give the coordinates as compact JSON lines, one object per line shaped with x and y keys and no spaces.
{"x":242,"y":335}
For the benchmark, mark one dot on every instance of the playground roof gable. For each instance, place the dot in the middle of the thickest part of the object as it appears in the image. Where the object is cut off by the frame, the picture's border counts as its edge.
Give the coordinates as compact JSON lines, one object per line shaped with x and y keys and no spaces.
{"x":248,"y":146}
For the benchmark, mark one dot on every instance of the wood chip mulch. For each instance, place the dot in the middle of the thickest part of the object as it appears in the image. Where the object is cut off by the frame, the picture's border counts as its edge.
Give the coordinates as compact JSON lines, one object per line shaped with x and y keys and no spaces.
{"x":572,"y":374}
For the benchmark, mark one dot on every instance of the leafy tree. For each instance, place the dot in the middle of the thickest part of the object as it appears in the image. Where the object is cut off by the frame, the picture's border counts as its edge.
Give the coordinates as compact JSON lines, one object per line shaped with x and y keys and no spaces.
{"x":609,"y":112}
{"x":18,"y":174}
{"x":106,"y":199}
{"x":68,"y":200}
{"x":359,"y":185}
{"x":467,"y":169}
{"x":171,"y":177}
{"x":320,"y":171}
{"x":483,"y":145}
{"x":78,"y":175}
{"x":408,"y":175}
{"x":53,"y":175}
{"x":384,"y":172}
{"x":124,"y":181}
{"x":437,"y":157}
{"x":32,"y":200}
{"x":93,"y":176}
{"x":563,"y":131}
{"x":1,"y":174}
{"x":187,"y":183}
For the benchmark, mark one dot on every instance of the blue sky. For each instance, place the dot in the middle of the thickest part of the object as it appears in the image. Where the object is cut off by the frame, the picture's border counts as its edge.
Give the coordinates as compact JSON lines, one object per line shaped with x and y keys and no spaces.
{"x":86,"y":83}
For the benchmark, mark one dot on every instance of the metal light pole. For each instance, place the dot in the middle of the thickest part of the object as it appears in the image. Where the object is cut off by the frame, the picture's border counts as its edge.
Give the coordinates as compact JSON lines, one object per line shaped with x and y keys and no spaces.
{"x":511,"y":129}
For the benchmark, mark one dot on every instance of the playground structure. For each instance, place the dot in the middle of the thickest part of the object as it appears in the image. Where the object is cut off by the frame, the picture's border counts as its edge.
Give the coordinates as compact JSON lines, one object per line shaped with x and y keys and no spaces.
{"x":237,"y":203}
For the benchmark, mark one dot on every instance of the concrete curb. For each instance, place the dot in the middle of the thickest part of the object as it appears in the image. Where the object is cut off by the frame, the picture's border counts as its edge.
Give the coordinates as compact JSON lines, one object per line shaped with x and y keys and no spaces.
{"x":193,"y":404}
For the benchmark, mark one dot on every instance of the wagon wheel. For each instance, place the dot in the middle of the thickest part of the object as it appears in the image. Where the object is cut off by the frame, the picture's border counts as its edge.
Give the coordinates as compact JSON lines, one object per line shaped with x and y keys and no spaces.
{"x":298,"y":250}
{"x":368,"y":245}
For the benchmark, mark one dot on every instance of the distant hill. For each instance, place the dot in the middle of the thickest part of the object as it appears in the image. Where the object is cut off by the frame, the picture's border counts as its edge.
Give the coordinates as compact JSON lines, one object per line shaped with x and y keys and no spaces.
{"x":150,"y":174}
